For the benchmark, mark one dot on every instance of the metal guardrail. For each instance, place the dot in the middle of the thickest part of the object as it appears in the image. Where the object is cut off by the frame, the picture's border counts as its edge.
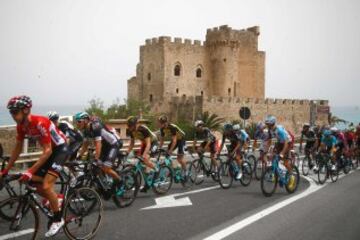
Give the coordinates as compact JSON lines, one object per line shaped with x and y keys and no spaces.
{"x":33,"y":157}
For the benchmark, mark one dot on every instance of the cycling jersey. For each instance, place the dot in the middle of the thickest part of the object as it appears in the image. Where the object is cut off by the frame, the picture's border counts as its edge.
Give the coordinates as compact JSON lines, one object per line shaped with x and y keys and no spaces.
{"x":205,"y":135}
{"x":40,"y":129}
{"x":308,"y":135}
{"x":70,"y":132}
{"x":100,"y":132}
{"x":236,"y":136}
{"x":264,"y":136}
{"x":280,"y":134}
{"x":141,"y":133}
{"x":44,"y":131}
{"x":329,"y":142}
{"x":172,"y":130}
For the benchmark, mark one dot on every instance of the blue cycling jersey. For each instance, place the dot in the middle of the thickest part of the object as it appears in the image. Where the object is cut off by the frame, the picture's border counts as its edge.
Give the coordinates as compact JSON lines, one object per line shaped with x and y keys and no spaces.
{"x":280,"y":134}
{"x":329,"y":141}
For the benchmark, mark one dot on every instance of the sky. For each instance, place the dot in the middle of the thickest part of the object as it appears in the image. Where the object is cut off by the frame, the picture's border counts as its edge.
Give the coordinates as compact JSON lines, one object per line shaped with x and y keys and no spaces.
{"x":67,"y":52}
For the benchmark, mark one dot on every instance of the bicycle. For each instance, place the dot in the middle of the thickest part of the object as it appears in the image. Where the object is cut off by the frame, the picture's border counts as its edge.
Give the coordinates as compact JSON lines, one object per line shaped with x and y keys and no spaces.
{"x":308,"y":162}
{"x":81,"y":209}
{"x":325,"y":170}
{"x":203,"y":164}
{"x":186,"y":179}
{"x":229,"y":169}
{"x":160,"y":181}
{"x":123,"y":194}
{"x":274,"y":175}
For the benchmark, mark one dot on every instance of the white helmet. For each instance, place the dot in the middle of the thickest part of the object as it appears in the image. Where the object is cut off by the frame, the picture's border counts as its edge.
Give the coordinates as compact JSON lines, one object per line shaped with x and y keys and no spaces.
{"x":53,"y":116}
{"x":236,"y":127}
{"x":198,"y":123}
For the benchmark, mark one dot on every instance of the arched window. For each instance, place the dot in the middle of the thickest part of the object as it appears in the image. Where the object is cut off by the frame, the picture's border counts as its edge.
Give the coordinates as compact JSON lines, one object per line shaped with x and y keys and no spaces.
{"x":202,"y":93}
{"x":149,"y":76}
{"x":177,"y":90}
{"x":151,"y":97}
{"x":177,"y":70}
{"x":229,"y":91}
{"x":198,"y":73}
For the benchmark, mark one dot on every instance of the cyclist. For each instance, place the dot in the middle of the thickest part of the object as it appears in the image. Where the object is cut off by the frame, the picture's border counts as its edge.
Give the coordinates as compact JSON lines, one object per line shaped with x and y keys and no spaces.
{"x":328,"y":145}
{"x":209,"y":143}
{"x":45,"y":171}
{"x":341,"y":143}
{"x":238,"y":140}
{"x":73,"y":136}
{"x":263,"y":135}
{"x":283,"y":145}
{"x":308,"y":134}
{"x":107,"y":143}
{"x":177,"y":135}
{"x":149,"y":142}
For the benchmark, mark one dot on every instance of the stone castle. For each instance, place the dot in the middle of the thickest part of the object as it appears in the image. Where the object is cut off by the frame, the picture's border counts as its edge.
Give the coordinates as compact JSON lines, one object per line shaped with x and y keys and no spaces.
{"x":185,"y":78}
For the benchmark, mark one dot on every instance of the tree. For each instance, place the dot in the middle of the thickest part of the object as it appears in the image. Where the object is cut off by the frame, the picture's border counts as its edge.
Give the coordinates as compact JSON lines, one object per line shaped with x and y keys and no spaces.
{"x":333,"y":120}
{"x":96,"y":108}
{"x":212,"y":121}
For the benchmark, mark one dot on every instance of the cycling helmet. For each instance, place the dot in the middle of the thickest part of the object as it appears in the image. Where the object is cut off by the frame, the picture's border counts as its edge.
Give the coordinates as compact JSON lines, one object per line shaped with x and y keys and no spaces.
{"x":163,"y":119}
{"x":327,"y":133}
{"x":236,"y":127}
{"x":228,"y":127}
{"x":53,"y":116}
{"x":270,"y":120}
{"x":19,"y":102}
{"x":199,"y":123}
{"x":81,"y":116}
{"x":306,"y":125}
{"x":334,"y":130}
{"x":132,"y":121}
{"x":259,"y":126}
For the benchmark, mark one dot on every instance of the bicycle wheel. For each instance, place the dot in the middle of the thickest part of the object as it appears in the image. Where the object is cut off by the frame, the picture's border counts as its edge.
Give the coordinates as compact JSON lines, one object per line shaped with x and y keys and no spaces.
{"x":292,"y":187}
{"x":258,"y":170}
{"x":163,"y":180}
{"x":200,"y":175}
{"x":251,"y":159}
{"x":322,"y":173}
{"x":126,"y":194}
{"x":83,"y":212}
{"x":23,"y":216}
{"x":334,"y":174}
{"x":246,"y":168}
{"x":297,"y":160}
{"x":269,"y":181}
{"x":347,"y":165}
{"x":225,"y":175}
{"x":306,"y":166}
{"x":355,"y":163}
{"x":191,"y":175}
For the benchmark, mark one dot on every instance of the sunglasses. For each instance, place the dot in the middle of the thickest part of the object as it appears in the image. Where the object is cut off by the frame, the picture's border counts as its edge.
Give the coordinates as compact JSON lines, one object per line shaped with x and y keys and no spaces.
{"x":14,"y":111}
{"x":80,"y":121}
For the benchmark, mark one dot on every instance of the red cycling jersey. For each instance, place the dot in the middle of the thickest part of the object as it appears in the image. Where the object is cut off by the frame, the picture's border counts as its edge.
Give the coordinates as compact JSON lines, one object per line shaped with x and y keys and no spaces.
{"x":40,"y":129}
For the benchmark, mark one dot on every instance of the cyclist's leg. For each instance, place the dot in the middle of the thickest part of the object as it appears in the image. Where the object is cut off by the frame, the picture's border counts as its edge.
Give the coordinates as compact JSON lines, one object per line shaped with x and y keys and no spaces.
{"x":181,"y":152}
{"x":213,"y":151}
{"x":107,"y":156}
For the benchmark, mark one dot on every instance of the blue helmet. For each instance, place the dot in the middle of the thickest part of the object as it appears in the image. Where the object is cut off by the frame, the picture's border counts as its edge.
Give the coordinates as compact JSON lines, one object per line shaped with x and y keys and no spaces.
{"x":81,"y":115}
{"x":327,"y":133}
{"x":228,"y":127}
{"x":270,"y":120}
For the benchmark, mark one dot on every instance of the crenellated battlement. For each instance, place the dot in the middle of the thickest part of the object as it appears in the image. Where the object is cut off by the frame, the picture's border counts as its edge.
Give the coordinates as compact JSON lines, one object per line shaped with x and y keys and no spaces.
{"x":225,"y":34}
{"x":168,"y":40}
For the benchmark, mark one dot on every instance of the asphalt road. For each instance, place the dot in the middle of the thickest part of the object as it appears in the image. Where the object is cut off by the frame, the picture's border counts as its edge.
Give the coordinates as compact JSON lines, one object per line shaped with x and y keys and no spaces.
{"x":330,"y":212}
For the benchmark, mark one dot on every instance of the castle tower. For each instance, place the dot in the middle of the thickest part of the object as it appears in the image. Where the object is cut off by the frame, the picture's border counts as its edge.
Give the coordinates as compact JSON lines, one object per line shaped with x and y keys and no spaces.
{"x":237,"y":67}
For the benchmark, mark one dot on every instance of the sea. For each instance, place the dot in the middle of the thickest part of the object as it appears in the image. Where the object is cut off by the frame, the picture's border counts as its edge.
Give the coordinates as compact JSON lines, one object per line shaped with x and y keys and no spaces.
{"x":348,"y":113}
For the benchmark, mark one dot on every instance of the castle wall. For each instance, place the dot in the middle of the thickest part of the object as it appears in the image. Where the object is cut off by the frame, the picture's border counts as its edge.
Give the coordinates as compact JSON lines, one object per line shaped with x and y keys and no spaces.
{"x":190,"y":55}
{"x":292,"y":114}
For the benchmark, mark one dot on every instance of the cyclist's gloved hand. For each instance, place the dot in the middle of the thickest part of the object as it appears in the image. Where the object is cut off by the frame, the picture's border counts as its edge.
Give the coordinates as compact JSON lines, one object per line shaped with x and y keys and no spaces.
{"x":26,"y":176}
{"x":281,"y":156}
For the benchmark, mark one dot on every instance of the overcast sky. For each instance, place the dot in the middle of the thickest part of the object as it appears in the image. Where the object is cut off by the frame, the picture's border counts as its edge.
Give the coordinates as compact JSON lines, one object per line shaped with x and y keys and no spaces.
{"x":66,"y":52}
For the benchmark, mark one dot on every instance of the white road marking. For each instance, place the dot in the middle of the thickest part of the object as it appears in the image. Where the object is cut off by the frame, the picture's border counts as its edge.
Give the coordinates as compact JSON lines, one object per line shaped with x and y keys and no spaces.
{"x":16,"y":234}
{"x":249,"y":220}
{"x":170,"y":201}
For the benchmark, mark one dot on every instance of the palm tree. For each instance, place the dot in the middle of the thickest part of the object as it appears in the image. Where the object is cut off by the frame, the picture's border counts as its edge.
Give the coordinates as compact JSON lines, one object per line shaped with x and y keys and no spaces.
{"x":212,"y":121}
{"x":333,"y":120}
